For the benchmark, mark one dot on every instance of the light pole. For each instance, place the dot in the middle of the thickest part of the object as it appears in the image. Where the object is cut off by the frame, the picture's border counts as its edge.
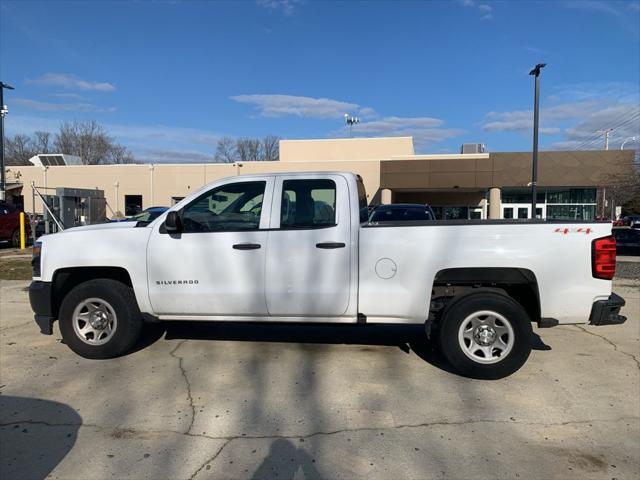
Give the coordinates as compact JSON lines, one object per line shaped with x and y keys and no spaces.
{"x":536,"y":114}
{"x":3,"y":112}
{"x":632,"y":139}
{"x":351,"y":121}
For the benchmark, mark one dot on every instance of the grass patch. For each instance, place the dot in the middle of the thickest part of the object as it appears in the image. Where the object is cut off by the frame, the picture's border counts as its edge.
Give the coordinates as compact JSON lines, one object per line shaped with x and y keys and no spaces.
{"x":15,"y":268}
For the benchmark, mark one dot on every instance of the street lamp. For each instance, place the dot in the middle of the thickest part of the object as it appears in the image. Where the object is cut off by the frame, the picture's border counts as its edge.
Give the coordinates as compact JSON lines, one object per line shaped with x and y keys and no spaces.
{"x":536,"y":114}
{"x":3,"y":112}
{"x":633,"y":139}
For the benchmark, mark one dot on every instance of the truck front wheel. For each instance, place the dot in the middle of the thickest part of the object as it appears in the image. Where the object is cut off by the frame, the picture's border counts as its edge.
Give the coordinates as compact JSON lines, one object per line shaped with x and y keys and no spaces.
{"x":485,"y":335}
{"x":100,"y":319}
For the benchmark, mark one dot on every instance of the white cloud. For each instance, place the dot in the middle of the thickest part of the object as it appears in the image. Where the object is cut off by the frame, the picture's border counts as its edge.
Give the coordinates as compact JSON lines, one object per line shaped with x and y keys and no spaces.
{"x":172,"y":156}
{"x":60,"y":107}
{"x":424,"y":130}
{"x":285,"y":6}
{"x":485,"y":10}
{"x":70,"y":81}
{"x":290,"y":105}
{"x":518,"y":120}
{"x":579,"y":123}
{"x":74,"y":96}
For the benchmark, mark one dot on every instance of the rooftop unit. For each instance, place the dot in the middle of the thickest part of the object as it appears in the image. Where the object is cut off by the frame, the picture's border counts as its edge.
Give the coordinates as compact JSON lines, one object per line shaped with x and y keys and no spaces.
{"x":472,"y":148}
{"x":54,"y":160}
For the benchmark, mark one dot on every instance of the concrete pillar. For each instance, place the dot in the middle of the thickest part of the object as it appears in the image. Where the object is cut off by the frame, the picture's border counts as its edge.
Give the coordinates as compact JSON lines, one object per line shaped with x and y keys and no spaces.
{"x":495,"y":204}
{"x":385,"y":196}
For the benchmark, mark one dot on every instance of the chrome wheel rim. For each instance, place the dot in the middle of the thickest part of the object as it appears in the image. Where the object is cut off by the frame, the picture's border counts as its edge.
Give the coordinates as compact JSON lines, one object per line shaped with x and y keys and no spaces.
{"x":94,"y":321}
{"x":486,"y":337}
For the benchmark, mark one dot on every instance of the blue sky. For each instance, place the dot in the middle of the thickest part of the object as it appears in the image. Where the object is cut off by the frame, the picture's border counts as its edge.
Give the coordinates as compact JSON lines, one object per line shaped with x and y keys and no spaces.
{"x":169,"y":78}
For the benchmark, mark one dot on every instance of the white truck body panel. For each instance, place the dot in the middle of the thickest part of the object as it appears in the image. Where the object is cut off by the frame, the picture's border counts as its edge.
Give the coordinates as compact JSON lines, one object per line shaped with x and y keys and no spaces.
{"x":561,"y":263}
{"x":383,"y":273}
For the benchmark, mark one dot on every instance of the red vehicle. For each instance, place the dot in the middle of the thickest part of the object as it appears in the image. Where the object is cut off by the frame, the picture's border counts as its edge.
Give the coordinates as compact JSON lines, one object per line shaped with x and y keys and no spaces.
{"x":10,"y":224}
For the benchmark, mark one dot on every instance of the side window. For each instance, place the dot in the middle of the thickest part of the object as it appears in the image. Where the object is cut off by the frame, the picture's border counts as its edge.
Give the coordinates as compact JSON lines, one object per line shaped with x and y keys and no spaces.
{"x":308,"y":204}
{"x":232,"y":207}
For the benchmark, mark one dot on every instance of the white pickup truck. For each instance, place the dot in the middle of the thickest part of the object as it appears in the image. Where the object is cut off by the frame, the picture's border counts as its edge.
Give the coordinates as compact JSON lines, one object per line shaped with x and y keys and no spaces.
{"x":297,"y":247}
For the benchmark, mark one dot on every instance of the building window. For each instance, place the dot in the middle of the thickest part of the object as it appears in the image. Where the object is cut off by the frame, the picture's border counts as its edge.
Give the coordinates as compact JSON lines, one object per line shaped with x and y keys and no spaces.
{"x":507,"y":212}
{"x":571,"y":195}
{"x":132,"y":205}
{"x":571,"y":212}
{"x":523,"y":212}
{"x":175,"y":200}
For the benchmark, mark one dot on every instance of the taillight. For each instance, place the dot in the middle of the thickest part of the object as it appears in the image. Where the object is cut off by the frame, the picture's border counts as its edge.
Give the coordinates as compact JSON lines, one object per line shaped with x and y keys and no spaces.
{"x":603,"y":258}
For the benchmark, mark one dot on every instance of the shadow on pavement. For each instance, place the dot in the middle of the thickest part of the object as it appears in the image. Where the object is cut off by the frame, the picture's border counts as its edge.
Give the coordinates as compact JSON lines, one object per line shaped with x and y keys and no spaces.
{"x":284,"y":461}
{"x":405,"y":337}
{"x":35,"y":435}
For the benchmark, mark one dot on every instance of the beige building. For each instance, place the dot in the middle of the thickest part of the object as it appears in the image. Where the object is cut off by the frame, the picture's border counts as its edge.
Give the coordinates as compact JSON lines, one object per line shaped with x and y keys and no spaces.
{"x":482,"y":185}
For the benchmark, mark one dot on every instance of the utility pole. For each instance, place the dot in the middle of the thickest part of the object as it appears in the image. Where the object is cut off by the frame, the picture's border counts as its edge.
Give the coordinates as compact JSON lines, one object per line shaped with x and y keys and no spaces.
{"x":536,"y":117}
{"x":606,"y":137}
{"x":3,"y":112}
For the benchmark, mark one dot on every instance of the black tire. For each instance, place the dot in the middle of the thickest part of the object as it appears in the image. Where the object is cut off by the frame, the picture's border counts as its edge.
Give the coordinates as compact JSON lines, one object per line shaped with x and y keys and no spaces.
{"x":462,"y":308}
{"x":123,"y":302}
{"x":15,"y":238}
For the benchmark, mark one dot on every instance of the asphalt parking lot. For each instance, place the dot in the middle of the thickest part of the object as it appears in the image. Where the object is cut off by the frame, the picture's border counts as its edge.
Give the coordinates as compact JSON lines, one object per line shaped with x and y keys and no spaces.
{"x":244,"y":401}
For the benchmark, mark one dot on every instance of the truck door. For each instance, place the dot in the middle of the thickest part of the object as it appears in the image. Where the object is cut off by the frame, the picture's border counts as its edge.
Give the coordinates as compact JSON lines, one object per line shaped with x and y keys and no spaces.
{"x":216,"y":265}
{"x":308,"y":269}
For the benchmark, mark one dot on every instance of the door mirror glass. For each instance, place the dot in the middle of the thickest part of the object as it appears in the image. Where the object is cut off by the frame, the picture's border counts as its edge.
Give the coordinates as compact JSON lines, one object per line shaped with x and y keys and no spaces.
{"x":172,"y":223}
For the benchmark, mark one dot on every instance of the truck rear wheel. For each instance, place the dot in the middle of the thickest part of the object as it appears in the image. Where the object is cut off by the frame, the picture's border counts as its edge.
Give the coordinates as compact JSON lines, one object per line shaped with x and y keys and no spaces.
{"x":485,"y":335}
{"x":100,"y":319}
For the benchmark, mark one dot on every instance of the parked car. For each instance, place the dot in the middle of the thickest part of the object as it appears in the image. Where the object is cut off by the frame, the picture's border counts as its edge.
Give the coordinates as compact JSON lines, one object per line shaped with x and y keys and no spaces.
{"x":632,"y":221}
{"x":10,"y":225}
{"x":627,"y":241}
{"x":147,"y":216}
{"x":475,"y":286}
{"x":401,"y":212}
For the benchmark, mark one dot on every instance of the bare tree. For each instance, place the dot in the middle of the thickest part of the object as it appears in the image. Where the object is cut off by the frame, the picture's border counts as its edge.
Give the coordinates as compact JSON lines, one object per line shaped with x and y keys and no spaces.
{"x":270,"y":148}
{"x":246,"y":149}
{"x":89,"y":141}
{"x":226,"y":150}
{"x":19,"y":149}
{"x":42,"y":141}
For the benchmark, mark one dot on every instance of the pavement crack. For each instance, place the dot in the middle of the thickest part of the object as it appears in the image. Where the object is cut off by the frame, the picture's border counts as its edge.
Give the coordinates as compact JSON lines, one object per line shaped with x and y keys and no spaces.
{"x":613,"y":344}
{"x":212,"y":458}
{"x":183,"y":372}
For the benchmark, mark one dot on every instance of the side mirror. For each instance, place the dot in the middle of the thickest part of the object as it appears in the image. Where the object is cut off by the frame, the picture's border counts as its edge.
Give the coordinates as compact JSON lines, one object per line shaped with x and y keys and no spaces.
{"x":173,"y":223}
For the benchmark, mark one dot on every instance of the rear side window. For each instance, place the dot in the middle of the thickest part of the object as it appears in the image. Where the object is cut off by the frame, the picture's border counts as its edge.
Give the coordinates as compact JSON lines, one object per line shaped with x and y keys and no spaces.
{"x":308,"y":204}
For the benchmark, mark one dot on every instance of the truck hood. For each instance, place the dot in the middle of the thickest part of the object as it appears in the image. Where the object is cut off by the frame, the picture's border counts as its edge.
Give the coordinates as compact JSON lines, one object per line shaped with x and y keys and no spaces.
{"x":102,"y":226}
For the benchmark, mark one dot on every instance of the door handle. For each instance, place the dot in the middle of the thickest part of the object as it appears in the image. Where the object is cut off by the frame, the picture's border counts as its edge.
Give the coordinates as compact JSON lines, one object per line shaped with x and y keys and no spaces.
{"x":330,"y":245}
{"x":246,"y":246}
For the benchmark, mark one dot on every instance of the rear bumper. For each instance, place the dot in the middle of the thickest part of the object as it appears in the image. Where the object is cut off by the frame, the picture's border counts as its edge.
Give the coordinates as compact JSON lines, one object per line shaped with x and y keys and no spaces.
{"x":42,"y":305}
{"x":607,"y":312}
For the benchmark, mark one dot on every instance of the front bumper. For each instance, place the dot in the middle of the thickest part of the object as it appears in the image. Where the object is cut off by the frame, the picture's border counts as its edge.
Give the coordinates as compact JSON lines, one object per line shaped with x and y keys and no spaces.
{"x":607,"y":312}
{"x":41,"y":301}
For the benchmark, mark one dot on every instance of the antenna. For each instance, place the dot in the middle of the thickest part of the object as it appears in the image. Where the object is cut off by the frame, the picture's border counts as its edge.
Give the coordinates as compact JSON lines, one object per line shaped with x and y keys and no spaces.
{"x":351,"y":121}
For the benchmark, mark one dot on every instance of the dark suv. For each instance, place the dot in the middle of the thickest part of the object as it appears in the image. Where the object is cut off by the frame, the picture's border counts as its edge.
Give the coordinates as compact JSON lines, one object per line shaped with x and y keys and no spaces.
{"x":399,"y":212}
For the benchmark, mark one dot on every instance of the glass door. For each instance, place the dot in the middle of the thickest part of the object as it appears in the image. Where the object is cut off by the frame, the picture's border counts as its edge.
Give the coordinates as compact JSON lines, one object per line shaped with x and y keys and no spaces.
{"x":521,"y":211}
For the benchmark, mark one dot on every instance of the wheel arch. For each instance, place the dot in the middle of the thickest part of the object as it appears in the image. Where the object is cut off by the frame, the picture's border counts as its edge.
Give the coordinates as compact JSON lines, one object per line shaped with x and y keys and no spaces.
{"x":520,"y":284}
{"x":65,"y":279}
